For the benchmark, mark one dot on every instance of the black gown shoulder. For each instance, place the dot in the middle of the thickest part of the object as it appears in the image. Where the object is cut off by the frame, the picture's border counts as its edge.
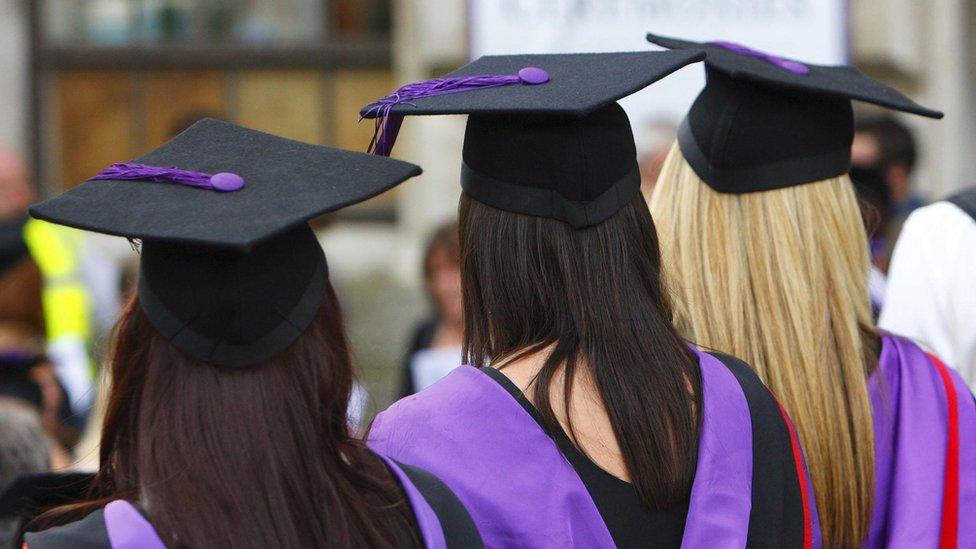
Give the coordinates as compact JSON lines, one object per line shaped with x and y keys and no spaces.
{"x":87,"y":533}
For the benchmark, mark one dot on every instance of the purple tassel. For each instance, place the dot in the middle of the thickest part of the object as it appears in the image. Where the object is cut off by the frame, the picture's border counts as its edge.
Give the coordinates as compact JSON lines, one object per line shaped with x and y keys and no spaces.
{"x":386,"y":126}
{"x":792,"y":66}
{"x":223,"y":181}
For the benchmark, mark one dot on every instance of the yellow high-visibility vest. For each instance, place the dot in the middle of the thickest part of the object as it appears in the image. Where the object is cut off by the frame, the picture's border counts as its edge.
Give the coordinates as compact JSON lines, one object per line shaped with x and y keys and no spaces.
{"x":65,"y":299}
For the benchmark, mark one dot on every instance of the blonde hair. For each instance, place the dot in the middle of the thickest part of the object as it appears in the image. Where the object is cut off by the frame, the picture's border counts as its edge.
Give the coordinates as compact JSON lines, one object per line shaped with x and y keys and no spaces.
{"x":779,"y":278}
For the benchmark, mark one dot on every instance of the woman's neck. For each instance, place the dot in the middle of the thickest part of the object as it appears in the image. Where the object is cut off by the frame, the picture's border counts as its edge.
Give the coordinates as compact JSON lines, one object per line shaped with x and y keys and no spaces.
{"x":594,"y":434}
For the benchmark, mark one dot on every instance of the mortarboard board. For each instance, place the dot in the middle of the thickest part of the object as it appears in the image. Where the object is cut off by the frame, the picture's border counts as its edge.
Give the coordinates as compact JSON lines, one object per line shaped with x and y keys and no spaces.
{"x":230,"y":278}
{"x":764,"y":122}
{"x":545,"y":136}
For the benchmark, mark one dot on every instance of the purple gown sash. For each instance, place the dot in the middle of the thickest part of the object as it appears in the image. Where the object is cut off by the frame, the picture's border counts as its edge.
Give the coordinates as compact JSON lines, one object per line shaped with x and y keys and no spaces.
{"x":721,"y":496}
{"x":911,"y":431}
{"x":128,"y":529}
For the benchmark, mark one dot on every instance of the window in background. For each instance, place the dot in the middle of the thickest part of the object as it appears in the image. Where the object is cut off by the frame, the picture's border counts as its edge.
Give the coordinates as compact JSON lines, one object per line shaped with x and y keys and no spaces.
{"x":114,"y":78}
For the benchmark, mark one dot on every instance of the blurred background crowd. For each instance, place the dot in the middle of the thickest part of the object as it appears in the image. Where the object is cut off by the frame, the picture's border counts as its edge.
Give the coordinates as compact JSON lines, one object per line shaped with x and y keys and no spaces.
{"x":86,"y":83}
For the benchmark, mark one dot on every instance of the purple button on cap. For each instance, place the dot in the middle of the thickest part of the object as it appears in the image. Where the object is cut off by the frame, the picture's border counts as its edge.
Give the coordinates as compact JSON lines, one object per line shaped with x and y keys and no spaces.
{"x":226,"y":182}
{"x":533,"y":75}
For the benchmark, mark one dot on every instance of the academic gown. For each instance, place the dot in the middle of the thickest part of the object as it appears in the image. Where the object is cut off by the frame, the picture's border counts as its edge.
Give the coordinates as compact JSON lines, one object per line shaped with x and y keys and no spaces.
{"x":442,"y":522}
{"x":526,"y":487}
{"x":925,"y":451}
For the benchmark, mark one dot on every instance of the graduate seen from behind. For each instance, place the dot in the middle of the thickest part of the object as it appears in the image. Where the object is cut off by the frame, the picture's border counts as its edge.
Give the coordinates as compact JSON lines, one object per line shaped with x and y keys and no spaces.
{"x":765,"y":248}
{"x":435,"y":348}
{"x":226,"y":420}
{"x":583,"y":418}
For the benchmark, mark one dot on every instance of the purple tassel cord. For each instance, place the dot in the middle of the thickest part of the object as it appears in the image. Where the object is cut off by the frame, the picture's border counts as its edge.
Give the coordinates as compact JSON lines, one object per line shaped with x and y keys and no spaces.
{"x":386,"y":125}
{"x":791,"y":66}
{"x":223,"y":181}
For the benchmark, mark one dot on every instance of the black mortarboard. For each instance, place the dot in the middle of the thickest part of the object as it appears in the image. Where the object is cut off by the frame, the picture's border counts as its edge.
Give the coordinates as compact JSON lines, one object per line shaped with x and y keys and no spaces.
{"x":764,"y":122}
{"x":231,"y":278}
{"x":545,"y":136}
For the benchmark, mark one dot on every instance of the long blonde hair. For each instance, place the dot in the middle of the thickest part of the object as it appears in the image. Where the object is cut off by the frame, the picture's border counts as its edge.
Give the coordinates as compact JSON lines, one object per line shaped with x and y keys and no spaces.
{"x":779,"y":278}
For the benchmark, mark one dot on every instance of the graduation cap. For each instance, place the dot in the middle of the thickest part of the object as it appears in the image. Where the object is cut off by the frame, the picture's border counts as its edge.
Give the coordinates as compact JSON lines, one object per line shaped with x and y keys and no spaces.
{"x":765,"y":122}
{"x":545,"y":136}
{"x":230,"y":272}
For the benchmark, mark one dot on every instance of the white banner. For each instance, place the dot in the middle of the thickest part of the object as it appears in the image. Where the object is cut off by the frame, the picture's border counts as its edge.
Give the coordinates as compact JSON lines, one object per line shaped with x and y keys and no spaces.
{"x":809,"y":30}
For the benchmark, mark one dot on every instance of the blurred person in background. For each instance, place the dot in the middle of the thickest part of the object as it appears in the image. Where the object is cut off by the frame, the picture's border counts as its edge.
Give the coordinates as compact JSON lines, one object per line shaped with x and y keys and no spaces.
{"x":58,"y":256}
{"x":25,"y":448}
{"x":25,"y":370}
{"x":652,"y":149}
{"x":874,"y":199}
{"x":885,"y":148}
{"x":435,"y":347}
{"x":28,"y":377}
{"x":931,"y":293}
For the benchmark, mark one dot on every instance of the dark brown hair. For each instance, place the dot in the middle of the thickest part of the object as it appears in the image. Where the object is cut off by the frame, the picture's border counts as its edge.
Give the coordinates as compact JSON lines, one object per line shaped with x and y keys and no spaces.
{"x":596,"y":296}
{"x":253,"y":457}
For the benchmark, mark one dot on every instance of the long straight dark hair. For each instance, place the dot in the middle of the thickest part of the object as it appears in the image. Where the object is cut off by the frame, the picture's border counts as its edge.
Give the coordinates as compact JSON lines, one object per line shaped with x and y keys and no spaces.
{"x":596,"y":296}
{"x":256,"y":457}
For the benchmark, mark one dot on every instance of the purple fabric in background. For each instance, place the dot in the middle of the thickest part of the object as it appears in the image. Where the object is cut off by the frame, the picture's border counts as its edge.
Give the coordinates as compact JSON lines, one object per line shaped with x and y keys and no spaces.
{"x":427,"y":521}
{"x":910,"y":432}
{"x":522,"y":492}
{"x":128,"y":529}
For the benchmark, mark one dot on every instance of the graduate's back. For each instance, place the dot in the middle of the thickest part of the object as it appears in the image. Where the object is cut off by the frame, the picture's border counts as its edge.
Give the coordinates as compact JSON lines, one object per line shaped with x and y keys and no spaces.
{"x":254,"y":457}
{"x":608,"y":426}
{"x":230,"y":378}
{"x":588,"y":421}
{"x":766,"y":250}
{"x":580,"y":320}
